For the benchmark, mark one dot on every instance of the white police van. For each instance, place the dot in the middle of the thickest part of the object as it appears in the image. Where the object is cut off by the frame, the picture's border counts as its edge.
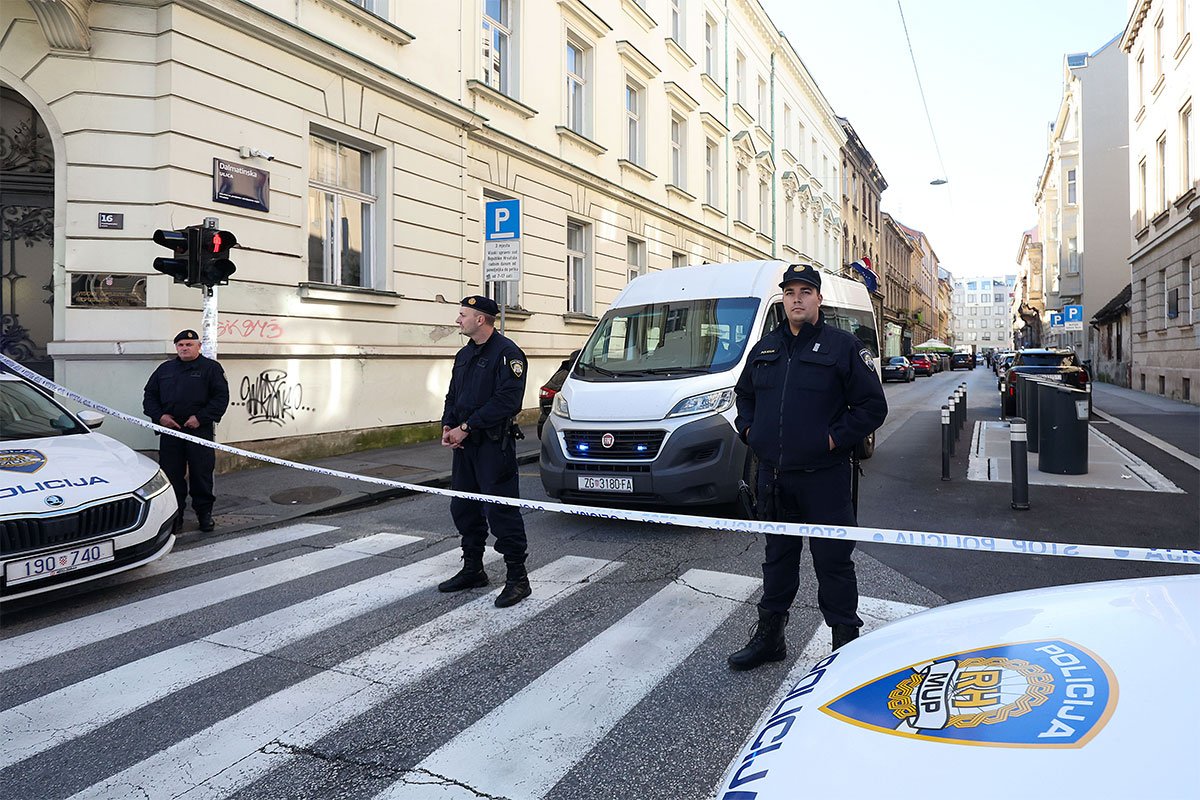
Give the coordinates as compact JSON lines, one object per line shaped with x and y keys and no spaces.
{"x":646,"y":413}
{"x":1074,"y":691}
{"x":75,"y":505}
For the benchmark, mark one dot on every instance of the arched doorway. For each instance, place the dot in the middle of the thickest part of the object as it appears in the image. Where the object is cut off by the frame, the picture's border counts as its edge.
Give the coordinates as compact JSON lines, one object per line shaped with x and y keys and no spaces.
{"x":26,"y":234}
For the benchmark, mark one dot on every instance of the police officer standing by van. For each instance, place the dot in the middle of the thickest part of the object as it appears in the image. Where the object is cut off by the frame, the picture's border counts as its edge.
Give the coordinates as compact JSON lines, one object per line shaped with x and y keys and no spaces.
{"x":189,"y":393}
{"x":487,"y":387}
{"x":809,"y":393}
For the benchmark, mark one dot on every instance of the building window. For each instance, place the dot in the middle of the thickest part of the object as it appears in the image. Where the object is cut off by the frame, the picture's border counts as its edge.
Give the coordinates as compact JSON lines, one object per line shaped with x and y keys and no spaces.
{"x":712,"y":171}
{"x":636,"y":257}
{"x":987,"y":337}
{"x":971,"y":298}
{"x":999,"y":298}
{"x":1071,"y":187}
{"x":763,"y":119}
{"x":1181,"y":21}
{"x":1187,"y":169}
{"x":1072,"y":255}
{"x":678,"y":22}
{"x":1159,"y":54}
{"x":1187,"y":276}
{"x":678,"y":260}
{"x":970,"y":323}
{"x":579,"y":100}
{"x":579,"y":268}
{"x":764,"y":206}
{"x":740,"y":61}
{"x":1160,"y":172}
{"x":497,"y":44}
{"x":987,"y":311}
{"x":789,"y":222}
{"x":679,"y":151}
{"x":341,"y":214}
{"x":787,"y":127}
{"x":1142,"y":192}
{"x":635,"y":96}
{"x":743,"y":179}
{"x":972,"y":286}
{"x":710,"y":46}
{"x":1141,"y":78}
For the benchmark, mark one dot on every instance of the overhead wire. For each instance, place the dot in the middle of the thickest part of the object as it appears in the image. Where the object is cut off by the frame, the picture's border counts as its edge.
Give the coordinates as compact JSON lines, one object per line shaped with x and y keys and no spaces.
{"x":921,"y":88}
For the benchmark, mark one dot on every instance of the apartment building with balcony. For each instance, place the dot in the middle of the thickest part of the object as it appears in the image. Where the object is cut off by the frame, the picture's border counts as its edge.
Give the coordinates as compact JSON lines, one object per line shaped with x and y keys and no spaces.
{"x":1164,"y":210}
{"x":863,"y":185}
{"x":982,"y":311}
{"x":638,"y":136}
{"x":898,"y":267}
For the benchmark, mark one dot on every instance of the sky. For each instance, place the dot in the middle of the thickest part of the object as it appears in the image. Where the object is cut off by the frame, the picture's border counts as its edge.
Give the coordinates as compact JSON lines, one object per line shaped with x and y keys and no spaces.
{"x":993,"y":80}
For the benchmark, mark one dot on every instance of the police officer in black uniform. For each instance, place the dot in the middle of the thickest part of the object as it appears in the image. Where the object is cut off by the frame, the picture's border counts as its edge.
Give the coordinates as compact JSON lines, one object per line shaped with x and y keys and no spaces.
{"x":189,"y":393}
{"x":808,"y":394}
{"x":487,"y":388}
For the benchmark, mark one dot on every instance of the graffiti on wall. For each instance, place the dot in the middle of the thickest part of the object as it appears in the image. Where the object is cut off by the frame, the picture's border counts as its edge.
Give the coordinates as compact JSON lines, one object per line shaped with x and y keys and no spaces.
{"x":244,"y":328}
{"x":270,"y":397}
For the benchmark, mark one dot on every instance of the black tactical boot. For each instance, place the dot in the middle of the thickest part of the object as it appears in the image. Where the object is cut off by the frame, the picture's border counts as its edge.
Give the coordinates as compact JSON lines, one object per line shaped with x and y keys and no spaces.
{"x":843,"y":634}
{"x":516,"y":587}
{"x":766,"y":642}
{"x":206,"y":522}
{"x":471,"y":576}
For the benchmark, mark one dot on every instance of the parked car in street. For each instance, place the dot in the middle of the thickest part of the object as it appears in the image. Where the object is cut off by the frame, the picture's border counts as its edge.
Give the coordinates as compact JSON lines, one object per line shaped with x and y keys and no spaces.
{"x":921,"y":364}
{"x":1002,"y":362}
{"x":1060,"y":364}
{"x":75,"y":505}
{"x":898,"y":368}
{"x":1048,"y":692}
{"x":962,"y":360}
{"x":551,"y":388}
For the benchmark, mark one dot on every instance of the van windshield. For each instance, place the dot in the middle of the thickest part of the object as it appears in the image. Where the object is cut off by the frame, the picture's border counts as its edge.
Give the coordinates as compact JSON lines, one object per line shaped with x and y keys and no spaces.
{"x":668,"y":340}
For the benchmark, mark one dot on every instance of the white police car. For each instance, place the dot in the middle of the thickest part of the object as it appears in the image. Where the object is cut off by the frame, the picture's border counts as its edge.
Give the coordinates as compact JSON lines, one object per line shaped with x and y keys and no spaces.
{"x":1075,"y":691}
{"x":75,"y":505}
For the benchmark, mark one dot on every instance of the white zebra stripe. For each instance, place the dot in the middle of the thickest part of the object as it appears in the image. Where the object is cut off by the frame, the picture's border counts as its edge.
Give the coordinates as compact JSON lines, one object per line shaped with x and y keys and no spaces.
{"x":41,"y":644}
{"x":75,"y":710}
{"x":217,"y":761}
{"x":234,"y":546}
{"x":526,"y":745}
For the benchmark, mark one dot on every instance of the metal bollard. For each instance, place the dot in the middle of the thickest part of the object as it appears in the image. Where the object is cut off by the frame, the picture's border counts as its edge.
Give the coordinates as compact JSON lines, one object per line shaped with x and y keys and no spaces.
{"x":1017,"y":439}
{"x":950,"y":411}
{"x":964,"y":394}
{"x":947,"y":443}
{"x":959,"y":412}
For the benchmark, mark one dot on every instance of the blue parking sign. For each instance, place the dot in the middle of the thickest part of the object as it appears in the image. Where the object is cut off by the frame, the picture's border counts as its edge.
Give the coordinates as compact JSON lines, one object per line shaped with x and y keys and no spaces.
{"x":1056,"y":319}
{"x":501,"y":220}
{"x":1073,"y":313}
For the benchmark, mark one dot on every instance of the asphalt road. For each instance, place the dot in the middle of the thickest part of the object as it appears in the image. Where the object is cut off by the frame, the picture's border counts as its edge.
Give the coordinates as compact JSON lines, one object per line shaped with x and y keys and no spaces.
{"x":319,"y":662}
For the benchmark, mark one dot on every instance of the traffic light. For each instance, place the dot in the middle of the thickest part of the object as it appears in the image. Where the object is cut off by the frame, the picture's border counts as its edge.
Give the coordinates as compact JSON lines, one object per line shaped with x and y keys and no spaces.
{"x":215,"y":266}
{"x":185,"y":266}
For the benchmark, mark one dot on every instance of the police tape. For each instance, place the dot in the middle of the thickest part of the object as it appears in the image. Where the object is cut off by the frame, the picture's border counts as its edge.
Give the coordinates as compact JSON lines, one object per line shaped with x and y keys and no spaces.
{"x":945,"y":541}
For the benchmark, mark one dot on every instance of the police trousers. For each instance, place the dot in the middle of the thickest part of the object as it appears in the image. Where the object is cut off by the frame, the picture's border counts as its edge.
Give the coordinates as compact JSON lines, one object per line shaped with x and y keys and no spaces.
{"x":488,"y":467}
{"x":189,"y":467}
{"x":820,"y":497}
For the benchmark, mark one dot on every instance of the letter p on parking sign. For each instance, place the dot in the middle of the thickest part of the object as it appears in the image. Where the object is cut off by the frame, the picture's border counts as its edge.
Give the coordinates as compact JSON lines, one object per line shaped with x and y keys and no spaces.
{"x":501,"y":220}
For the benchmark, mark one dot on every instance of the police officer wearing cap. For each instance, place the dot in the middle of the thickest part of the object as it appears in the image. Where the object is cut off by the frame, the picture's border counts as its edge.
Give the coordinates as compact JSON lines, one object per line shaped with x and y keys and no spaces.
{"x":487,"y":388}
{"x":808,"y":395}
{"x":189,"y":393}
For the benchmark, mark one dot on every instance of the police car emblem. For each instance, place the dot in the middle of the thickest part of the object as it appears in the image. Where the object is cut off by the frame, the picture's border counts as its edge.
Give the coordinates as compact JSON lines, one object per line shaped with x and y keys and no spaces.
{"x":53,"y":500}
{"x":517,"y":368}
{"x":1047,"y":693}
{"x":28,"y":461}
{"x":865,"y":355}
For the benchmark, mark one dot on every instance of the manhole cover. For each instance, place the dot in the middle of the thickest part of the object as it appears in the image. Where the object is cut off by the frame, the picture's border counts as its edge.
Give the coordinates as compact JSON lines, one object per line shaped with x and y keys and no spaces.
{"x":391,"y":471}
{"x":305,"y":495}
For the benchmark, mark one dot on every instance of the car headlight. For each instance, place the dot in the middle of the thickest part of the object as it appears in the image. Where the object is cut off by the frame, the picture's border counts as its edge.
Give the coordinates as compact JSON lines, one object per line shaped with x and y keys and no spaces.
{"x":561,"y":409}
{"x":711,"y":402}
{"x":153,"y":486}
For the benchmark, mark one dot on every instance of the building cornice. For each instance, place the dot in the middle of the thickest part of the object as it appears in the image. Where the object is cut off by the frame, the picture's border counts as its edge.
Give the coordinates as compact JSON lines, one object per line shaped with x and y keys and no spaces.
{"x":1137,"y":16}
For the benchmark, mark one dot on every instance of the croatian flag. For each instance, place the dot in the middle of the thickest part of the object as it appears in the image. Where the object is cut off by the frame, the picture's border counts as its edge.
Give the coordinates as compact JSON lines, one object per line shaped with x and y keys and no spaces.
{"x":863,"y":267}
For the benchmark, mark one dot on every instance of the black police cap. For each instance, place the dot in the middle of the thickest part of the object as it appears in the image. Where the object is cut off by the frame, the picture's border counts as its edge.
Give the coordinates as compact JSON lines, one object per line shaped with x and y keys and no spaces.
{"x":186,"y":333}
{"x":805,"y":273}
{"x":480,"y":303}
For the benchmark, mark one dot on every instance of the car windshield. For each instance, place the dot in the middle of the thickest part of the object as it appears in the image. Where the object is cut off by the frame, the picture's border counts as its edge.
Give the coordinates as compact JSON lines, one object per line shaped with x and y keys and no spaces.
{"x":26,"y":413}
{"x":897,"y":360}
{"x":1046,"y":360}
{"x":667,"y":340}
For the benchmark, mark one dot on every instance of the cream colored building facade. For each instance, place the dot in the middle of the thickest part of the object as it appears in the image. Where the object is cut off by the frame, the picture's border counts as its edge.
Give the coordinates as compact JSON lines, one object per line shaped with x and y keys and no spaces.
{"x":1164,"y":204}
{"x":637,"y":136}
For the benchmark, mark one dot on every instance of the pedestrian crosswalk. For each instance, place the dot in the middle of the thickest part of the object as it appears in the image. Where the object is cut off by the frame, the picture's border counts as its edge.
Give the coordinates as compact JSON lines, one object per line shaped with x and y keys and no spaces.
{"x":520,"y":748}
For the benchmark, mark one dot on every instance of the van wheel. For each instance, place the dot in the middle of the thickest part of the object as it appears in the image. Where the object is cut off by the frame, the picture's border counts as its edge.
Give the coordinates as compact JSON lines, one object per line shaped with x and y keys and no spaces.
{"x":866,"y":448}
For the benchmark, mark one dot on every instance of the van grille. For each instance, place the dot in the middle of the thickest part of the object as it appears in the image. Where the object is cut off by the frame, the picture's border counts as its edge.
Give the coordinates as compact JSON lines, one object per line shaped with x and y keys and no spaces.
{"x":625,"y":444}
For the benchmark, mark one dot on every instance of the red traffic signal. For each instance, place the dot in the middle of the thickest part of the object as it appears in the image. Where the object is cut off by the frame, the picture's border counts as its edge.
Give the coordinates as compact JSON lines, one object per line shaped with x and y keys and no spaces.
{"x":215,"y":266}
{"x":185,"y":243}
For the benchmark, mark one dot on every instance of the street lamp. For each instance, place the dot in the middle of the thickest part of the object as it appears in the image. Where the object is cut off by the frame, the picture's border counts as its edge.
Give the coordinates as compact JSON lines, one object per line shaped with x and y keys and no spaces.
{"x":938,"y":182}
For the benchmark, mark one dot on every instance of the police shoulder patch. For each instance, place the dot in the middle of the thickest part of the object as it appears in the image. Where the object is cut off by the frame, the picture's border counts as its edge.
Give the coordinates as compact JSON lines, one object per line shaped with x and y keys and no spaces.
{"x":867,"y":358}
{"x":517,"y":367}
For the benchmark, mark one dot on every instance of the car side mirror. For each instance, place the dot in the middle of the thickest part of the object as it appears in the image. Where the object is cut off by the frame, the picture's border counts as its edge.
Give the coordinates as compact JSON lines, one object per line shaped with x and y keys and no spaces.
{"x":91,"y":419}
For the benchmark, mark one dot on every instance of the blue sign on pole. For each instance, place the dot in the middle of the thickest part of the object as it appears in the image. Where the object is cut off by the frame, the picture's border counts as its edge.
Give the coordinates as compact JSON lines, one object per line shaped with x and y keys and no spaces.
{"x":1056,"y":319}
{"x":1073,"y":313}
{"x":501,"y":220}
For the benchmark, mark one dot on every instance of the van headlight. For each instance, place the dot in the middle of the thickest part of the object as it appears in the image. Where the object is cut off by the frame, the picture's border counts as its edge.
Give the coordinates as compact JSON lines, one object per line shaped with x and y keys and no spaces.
{"x":709,"y":403}
{"x":153,"y":486}
{"x":561,"y":409}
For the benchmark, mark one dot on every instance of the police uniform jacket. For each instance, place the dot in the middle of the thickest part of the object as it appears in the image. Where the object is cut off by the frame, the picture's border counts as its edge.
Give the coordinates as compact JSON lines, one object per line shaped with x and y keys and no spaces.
{"x":187,"y":388}
{"x":797,"y":391}
{"x":487,"y":386}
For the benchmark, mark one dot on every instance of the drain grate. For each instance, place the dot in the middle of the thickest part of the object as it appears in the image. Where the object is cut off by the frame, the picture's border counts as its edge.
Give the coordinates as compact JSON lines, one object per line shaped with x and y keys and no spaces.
{"x":305,"y":495}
